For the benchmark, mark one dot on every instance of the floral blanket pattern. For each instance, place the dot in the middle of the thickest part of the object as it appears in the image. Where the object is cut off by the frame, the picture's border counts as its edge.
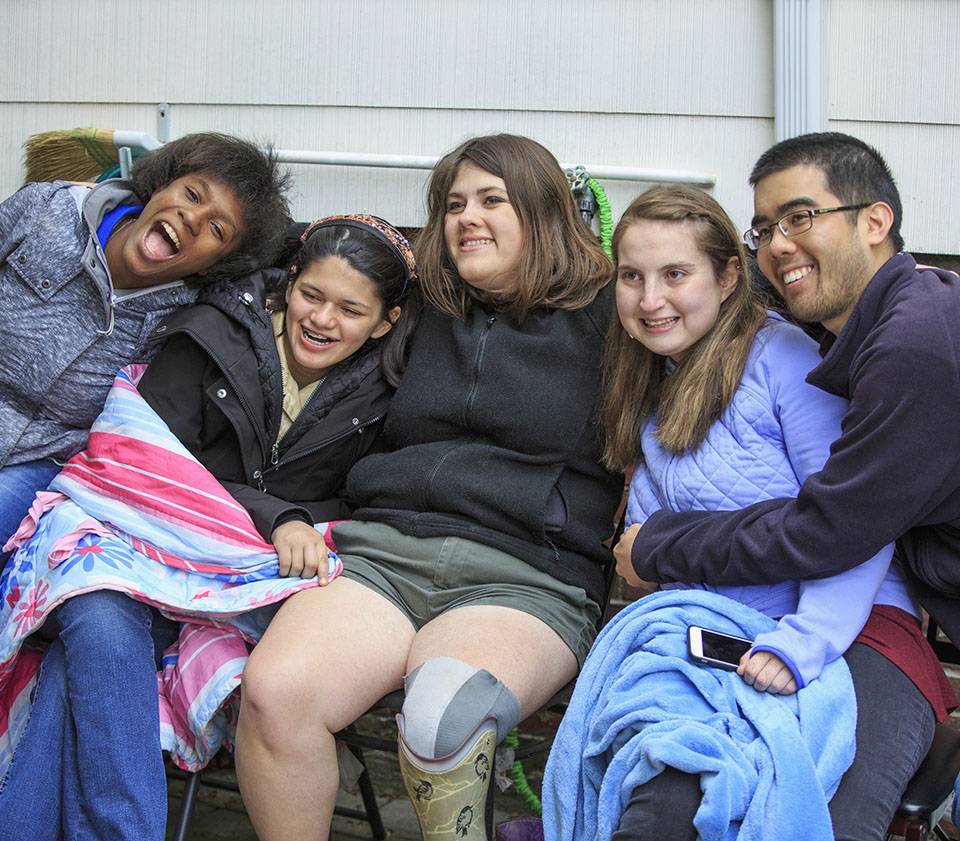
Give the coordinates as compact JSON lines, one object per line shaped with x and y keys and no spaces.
{"x":137,"y":513}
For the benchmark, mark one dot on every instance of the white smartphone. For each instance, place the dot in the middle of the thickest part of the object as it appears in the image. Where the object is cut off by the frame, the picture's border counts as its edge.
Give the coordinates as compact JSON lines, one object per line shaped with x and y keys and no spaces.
{"x":711,"y":648}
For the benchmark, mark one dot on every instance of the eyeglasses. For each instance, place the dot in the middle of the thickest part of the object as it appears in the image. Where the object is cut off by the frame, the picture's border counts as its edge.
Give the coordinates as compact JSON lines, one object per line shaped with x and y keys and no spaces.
{"x":791,"y":225}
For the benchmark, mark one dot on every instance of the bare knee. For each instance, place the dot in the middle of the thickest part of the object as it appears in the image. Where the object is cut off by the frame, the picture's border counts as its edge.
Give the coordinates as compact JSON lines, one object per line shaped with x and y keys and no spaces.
{"x":277,"y":704}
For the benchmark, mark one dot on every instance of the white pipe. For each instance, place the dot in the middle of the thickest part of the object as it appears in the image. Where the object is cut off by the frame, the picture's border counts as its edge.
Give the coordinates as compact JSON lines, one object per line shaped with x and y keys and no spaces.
{"x":655,"y":176}
{"x":295,"y":156}
{"x":135,"y":139}
{"x":613,"y":173}
{"x":798,"y":56}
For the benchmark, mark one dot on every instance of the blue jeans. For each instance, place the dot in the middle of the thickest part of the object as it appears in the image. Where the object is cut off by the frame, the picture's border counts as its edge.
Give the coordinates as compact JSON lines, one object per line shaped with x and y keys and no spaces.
{"x":895,"y":724}
{"x":89,"y":765}
{"x":19,"y":484}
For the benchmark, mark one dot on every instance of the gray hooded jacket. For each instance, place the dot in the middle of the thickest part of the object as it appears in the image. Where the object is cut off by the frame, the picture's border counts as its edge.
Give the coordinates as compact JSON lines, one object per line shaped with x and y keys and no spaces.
{"x":64,"y":333}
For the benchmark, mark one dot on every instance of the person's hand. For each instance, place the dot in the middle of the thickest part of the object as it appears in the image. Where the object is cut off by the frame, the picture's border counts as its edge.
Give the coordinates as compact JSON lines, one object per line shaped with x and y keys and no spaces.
{"x":766,"y":672}
{"x":300,"y":550}
{"x":623,"y":552}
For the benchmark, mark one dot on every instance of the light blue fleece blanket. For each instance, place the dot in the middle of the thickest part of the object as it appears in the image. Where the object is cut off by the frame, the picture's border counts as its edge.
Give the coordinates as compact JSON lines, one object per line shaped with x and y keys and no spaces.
{"x":768,"y":764}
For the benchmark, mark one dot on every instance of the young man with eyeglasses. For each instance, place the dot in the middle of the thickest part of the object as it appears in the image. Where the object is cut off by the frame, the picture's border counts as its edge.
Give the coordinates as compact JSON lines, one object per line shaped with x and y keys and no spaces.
{"x":826,"y":234}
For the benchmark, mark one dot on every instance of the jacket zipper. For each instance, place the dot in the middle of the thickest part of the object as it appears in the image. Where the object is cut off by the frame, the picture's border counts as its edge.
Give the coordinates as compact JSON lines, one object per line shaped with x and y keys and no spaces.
{"x":274,"y":458}
{"x":468,"y":403}
{"x":276,"y":465}
{"x":139,"y":293}
{"x":117,"y":300}
{"x":477,"y":365}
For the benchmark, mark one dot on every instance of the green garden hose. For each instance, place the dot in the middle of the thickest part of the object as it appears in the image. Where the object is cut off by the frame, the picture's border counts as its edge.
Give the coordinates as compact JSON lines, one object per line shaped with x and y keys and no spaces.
{"x":519,"y":779}
{"x":606,"y":215}
{"x":580,"y":181}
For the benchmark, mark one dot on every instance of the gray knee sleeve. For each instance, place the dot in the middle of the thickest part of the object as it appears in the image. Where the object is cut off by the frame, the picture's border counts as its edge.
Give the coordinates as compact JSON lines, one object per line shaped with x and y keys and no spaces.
{"x":447,"y":700}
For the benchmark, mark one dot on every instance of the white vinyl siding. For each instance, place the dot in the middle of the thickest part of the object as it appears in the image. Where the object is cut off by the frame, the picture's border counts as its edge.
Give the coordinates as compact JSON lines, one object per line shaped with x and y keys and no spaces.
{"x":685,"y":85}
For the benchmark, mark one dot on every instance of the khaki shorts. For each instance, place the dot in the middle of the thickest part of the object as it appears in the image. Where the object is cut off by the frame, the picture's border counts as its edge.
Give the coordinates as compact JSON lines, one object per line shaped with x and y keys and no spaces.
{"x":427,"y":576}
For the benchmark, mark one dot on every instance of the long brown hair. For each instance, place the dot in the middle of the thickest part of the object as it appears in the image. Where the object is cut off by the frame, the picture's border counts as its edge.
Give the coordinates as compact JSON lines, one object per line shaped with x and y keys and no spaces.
{"x":635,"y":382}
{"x":562,"y":265}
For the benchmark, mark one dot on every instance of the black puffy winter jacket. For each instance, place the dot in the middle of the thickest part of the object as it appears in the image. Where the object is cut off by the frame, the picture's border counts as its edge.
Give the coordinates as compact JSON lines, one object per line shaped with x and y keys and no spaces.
{"x":217,"y":382}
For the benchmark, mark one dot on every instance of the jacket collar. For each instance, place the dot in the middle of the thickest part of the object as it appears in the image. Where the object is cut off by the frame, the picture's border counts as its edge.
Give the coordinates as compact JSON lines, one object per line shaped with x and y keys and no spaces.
{"x":242,"y":301}
{"x":838,"y":352}
{"x":96,"y":204}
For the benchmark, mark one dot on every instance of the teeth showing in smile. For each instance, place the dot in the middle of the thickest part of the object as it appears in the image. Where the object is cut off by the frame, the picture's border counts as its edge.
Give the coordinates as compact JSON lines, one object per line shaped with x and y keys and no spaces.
{"x":316,"y":338}
{"x":171,"y":235}
{"x":795,"y":274}
{"x":660,"y":322}
{"x":470,"y":242}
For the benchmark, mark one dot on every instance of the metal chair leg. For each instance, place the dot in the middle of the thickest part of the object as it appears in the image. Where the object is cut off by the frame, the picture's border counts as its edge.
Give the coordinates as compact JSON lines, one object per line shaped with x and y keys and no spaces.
{"x":188,"y":800}
{"x":939,"y":834}
{"x":369,"y":797}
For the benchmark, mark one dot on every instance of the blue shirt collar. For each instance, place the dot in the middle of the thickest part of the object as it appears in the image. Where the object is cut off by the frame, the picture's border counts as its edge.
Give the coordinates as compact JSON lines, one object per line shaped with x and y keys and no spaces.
{"x":109,"y":221}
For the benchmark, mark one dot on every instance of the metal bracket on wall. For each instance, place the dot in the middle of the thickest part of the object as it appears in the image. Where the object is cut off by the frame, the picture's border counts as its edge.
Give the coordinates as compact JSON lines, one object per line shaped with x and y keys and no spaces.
{"x":163,"y":122}
{"x":125,"y":157}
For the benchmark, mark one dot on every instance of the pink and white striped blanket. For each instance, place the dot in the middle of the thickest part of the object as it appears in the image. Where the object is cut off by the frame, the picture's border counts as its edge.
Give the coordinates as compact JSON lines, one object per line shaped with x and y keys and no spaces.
{"x":137,"y":513}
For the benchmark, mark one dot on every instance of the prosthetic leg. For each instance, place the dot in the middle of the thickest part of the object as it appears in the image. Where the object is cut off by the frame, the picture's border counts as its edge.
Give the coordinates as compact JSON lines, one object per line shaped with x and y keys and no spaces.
{"x":453,"y":718}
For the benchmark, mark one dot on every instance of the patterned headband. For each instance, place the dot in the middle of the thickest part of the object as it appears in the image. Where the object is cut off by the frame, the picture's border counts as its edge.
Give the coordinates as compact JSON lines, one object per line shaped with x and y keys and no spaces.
{"x":384,"y":231}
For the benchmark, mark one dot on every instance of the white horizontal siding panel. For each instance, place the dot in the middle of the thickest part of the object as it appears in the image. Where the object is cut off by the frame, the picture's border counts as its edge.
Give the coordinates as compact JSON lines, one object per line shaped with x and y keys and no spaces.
{"x":701,"y":57}
{"x":925,"y":161}
{"x":19,"y":121}
{"x":637,"y":56}
{"x":723,"y":147}
{"x":895,"y":61}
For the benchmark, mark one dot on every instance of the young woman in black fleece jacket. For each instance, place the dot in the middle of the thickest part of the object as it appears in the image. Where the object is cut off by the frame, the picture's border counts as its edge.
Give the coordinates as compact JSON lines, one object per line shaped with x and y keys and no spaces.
{"x":473,"y":565}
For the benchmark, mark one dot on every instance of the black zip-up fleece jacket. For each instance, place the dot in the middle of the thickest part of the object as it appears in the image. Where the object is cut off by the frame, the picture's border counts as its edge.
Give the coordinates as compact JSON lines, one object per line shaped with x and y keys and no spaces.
{"x":494,"y":439}
{"x":217,"y":383}
{"x":893,"y":474}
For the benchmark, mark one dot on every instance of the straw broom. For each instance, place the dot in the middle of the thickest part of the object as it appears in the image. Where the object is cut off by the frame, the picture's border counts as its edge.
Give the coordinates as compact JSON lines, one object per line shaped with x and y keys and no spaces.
{"x":80,"y":154}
